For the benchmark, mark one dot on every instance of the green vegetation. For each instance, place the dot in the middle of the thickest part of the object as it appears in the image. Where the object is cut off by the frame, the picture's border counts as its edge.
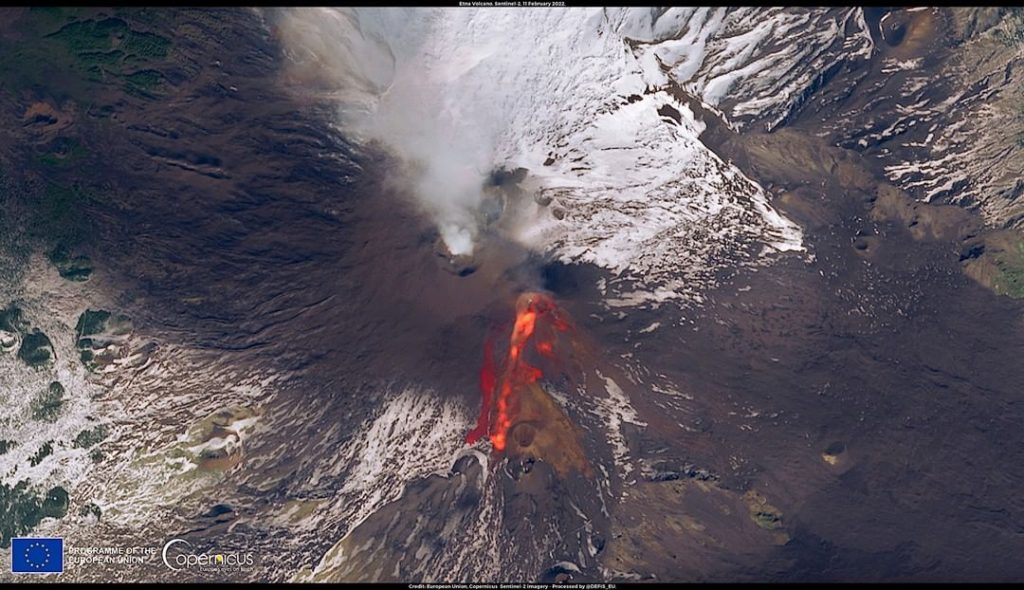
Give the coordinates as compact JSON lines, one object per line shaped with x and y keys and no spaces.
{"x":44,"y":451}
{"x":142,"y":81}
{"x":102,"y":58}
{"x":6,"y":445}
{"x":91,"y":36}
{"x":54,"y":55}
{"x":36,"y":349}
{"x":42,"y":63}
{"x":69,"y":54}
{"x":1011,"y":266}
{"x":94,"y":351}
{"x":70,"y":267}
{"x":21,"y":510}
{"x":91,"y":323}
{"x":48,"y":405}
{"x":110,"y":48}
{"x":56,"y":503}
{"x":90,"y":437}
{"x":146,"y":46}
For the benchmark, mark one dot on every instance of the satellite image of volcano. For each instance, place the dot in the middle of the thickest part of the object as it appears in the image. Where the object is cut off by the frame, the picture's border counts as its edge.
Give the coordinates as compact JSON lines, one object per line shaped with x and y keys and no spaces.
{"x":523,"y":293}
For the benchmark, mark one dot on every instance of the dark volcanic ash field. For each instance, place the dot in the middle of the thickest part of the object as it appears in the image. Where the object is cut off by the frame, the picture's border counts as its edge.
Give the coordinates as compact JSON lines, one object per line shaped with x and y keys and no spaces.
{"x":808,"y":369}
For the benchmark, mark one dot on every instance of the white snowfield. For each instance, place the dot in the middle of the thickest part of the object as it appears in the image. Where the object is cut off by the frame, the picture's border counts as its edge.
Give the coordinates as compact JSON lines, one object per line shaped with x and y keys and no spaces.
{"x":583,"y":98}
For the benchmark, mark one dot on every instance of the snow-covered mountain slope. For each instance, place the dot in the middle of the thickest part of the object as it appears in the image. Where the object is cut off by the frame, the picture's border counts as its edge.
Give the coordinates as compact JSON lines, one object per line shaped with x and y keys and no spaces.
{"x":595,"y":104}
{"x":938,"y":106}
{"x":973,"y":153}
{"x":753,"y":64}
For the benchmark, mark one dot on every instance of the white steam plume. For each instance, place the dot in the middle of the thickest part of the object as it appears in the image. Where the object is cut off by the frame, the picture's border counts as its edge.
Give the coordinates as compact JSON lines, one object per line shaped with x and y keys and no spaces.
{"x":371,"y":61}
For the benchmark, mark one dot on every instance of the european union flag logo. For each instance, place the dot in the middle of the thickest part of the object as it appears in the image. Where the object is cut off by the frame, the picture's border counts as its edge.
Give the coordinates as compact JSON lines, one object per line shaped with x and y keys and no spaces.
{"x":43,"y":555}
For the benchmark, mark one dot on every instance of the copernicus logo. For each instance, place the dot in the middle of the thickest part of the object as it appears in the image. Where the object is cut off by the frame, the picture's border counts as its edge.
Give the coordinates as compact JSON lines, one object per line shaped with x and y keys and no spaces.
{"x":178,"y":555}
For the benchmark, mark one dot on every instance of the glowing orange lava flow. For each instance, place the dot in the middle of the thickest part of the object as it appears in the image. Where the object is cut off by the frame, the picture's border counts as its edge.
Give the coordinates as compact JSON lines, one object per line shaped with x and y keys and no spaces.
{"x":536,"y":313}
{"x":487,"y":381}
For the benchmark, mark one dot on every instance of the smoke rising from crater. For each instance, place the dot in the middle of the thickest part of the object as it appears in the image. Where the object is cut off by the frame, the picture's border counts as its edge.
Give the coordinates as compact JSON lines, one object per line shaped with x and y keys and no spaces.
{"x":371,"y":61}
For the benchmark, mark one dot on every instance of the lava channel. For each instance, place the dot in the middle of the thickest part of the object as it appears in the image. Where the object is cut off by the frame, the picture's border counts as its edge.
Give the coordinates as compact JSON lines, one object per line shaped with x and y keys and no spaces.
{"x":514,"y":406}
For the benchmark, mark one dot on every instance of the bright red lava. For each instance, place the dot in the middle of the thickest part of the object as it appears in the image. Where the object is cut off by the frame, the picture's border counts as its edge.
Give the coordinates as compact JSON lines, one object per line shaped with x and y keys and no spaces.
{"x":487,"y":381}
{"x":533,"y":311}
